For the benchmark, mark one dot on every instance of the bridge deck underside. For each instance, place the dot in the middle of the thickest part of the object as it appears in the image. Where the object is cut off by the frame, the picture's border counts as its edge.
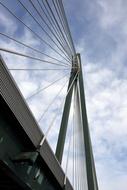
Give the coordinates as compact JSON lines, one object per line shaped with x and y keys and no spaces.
{"x":6,"y":179}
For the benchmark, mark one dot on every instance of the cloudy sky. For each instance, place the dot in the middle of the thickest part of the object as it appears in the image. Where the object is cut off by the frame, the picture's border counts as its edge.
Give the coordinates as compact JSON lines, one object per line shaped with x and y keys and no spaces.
{"x":99,"y":30}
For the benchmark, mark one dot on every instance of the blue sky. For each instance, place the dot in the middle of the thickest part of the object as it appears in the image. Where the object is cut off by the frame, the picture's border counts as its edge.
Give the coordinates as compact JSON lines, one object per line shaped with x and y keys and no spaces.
{"x":99,"y":30}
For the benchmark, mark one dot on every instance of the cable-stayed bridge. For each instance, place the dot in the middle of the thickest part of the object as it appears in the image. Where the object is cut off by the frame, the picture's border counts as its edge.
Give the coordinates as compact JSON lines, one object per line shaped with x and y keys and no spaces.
{"x":36,"y":43}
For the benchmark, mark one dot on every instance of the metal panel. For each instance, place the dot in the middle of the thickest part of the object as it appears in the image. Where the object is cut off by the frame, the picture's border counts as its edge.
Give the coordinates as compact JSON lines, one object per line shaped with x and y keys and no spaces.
{"x":16,"y":102}
{"x":68,"y":185}
{"x":54,"y":165}
{"x":52,"y":162}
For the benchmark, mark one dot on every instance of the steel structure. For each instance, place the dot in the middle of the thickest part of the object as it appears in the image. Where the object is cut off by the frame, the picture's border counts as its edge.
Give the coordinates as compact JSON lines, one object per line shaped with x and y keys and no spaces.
{"x":26,"y":159}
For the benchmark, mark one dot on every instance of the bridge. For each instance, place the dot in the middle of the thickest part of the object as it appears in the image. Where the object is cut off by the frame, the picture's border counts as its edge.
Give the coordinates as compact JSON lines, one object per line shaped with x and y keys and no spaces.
{"x":27,"y":160}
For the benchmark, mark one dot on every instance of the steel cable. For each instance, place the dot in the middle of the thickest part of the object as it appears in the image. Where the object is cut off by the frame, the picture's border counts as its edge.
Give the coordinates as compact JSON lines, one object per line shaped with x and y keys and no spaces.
{"x":28,"y":56}
{"x":61,"y":21}
{"x":56,"y":97}
{"x":64,"y":25}
{"x":27,"y":46}
{"x":48,"y":28}
{"x":54,"y":25}
{"x":40,"y":24}
{"x":55,"y":20}
{"x":43,"y":139}
{"x":41,"y":39}
{"x":62,"y":8}
{"x":36,"y":69}
{"x":44,"y":88}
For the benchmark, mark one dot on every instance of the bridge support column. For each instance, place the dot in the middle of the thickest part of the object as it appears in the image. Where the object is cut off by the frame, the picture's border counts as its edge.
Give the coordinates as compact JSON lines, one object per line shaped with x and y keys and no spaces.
{"x":64,"y":122}
{"x":90,"y":167}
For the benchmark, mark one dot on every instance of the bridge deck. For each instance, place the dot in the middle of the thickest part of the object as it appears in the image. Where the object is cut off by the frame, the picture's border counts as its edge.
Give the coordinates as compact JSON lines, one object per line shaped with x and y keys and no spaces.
{"x":19,"y":132}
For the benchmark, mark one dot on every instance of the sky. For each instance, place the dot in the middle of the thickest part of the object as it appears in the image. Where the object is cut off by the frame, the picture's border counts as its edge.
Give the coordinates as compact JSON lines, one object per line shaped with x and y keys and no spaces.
{"x":99,"y":31}
{"x":99,"y":28}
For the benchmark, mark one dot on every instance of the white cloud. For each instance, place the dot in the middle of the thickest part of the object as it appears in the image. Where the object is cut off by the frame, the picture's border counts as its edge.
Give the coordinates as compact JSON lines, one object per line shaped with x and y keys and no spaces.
{"x":7,"y":23}
{"x":112,"y":12}
{"x":107,"y":108}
